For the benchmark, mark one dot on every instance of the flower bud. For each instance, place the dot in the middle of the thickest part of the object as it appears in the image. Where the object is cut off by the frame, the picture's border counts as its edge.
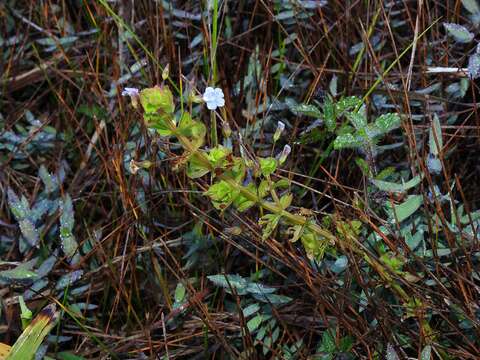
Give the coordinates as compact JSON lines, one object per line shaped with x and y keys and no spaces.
{"x":166,"y":72}
{"x":227,"y":131}
{"x":279,"y":131}
{"x":284,"y":154}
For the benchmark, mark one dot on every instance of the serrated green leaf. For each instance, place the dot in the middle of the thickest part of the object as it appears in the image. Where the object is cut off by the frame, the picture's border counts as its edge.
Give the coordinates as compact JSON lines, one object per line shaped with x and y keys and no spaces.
{"x":387,"y":122}
{"x":358,"y":119}
{"x":267,"y":165}
{"x":458,"y":32}
{"x":329,"y":116}
{"x":328,"y":344}
{"x":345,"y":141}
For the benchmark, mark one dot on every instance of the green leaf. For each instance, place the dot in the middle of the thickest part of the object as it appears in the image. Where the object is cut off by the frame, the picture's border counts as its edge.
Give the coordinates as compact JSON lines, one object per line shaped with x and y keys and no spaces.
{"x":254,"y":323}
{"x":307,"y":110}
{"x":29,"y":232}
{"x":358,"y":118}
{"x":458,"y":32}
{"x":251,"y":309}
{"x":406,"y":209}
{"x":159,"y":122}
{"x":256,"y":288}
{"x":474,"y":66}
{"x":328,"y":344}
{"x":241,"y":203}
{"x":228,"y":282}
{"x":19,"y":274}
{"x":267,"y":165}
{"x":217,"y":156}
{"x":348,"y":103}
{"x":269,"y":222}
{"x":329,"y":116}
{"x":472,"y":7}
{"x":157,"y":99}
{"x":222,"y":194}
{"x":19,"y":208}
{"x":32,"y":337}
{"x":286,"y":200}
{"x":313,"y":244}
{"x":391,"y":353}
{"x":426,"y":353}
{"x":179,"y":293}
{"x":435,"y":136}
{"x":394,"y":187}
{"x":194,"y":130}
{"x":67,"y":220}
{"x":387,"y":122}
{"x":196,"y":168}
{"x":344,"y":141}
{"x":273,"y":299}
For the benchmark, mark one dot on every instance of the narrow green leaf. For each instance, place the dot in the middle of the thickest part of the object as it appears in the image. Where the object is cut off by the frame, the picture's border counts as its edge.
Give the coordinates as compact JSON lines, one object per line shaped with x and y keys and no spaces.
{"x":394,"y":187}
{"x":435,"y":134}
{"x":18,"y":274}
{"x":254,"y":323}
{"x":30,"y":340}
{"x":406,"y":209}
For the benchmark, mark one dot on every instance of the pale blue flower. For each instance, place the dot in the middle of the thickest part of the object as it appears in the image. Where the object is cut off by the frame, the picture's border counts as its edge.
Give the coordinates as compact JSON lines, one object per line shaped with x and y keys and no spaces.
{"x":213,"y":98}
{"x":132,"y":92}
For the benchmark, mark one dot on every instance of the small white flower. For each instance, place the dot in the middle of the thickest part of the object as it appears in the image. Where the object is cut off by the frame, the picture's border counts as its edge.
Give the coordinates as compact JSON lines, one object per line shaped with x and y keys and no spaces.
{"x":132,"y":92}
{"x":213,"y":98}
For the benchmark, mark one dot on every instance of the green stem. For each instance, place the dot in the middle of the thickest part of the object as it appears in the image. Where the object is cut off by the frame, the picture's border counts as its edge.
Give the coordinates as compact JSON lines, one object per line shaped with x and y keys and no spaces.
{"x":294,"y":219}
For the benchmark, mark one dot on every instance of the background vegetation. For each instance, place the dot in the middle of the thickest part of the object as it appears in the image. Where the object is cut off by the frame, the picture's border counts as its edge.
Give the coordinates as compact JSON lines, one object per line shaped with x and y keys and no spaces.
{"x":98,"y":216}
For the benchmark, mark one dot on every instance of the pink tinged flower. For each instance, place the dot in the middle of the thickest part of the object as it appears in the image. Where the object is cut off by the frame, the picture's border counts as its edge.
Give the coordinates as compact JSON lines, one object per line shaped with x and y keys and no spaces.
{"x":214,"y":98}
